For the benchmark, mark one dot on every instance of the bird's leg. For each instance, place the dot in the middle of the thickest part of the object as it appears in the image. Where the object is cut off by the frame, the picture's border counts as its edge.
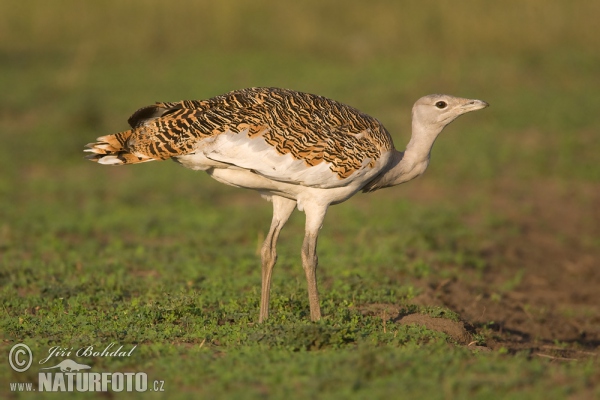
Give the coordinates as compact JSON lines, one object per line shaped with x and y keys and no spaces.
{"x":314,"y":220}
{"x":282,"y":209}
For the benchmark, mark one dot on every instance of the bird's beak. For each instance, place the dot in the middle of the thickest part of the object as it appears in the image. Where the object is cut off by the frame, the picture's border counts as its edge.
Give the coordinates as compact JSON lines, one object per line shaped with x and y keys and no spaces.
{"x":472,"y":105}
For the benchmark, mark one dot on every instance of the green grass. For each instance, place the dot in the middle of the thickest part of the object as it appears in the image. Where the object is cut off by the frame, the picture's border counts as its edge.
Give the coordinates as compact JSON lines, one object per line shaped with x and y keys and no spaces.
{"x":166,"y":258}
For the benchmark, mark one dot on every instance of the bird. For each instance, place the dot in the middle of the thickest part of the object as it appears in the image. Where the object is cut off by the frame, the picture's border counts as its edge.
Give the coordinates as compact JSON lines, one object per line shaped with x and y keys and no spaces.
{"x":297,"y":150}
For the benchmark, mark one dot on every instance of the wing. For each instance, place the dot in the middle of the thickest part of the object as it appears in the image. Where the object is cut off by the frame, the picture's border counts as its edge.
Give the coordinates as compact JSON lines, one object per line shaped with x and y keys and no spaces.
{"x":315,"y":162}
{"x":282,"y":134}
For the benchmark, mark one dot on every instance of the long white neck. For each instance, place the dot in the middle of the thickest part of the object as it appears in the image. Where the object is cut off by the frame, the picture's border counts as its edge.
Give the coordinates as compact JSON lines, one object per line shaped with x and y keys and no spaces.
{"x":412,"y":162}
{"x":430,"y":115}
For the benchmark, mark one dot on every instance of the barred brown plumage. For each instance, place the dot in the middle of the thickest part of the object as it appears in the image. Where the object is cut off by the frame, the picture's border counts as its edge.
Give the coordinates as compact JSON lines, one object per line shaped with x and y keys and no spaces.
{"x":309,"y":127}
{"x":296,"y":149}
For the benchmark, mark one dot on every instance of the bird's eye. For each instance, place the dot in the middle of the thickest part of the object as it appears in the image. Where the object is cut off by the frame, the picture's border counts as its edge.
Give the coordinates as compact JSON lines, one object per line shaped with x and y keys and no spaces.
{"x":441,"y":105}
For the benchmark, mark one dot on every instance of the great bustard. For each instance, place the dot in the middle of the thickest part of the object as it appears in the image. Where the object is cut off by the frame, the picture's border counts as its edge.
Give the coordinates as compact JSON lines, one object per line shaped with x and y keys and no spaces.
{"x":296,"y":149}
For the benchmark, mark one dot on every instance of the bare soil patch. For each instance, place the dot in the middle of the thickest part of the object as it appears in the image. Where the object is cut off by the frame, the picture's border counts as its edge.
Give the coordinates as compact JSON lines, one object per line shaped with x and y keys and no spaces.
{"x":540,"y":291}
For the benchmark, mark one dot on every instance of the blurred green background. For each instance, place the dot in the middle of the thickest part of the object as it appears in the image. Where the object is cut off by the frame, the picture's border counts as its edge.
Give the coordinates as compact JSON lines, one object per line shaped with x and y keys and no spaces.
{"x":72,"y":71}
{"x":173,"y":253}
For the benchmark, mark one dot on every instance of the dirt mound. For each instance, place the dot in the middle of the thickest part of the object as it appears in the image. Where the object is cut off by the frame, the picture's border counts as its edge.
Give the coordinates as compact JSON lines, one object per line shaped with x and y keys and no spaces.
{"x":456,"y":330}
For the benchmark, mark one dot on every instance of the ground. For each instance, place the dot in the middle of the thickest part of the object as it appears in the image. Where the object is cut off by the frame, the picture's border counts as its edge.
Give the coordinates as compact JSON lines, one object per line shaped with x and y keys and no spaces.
{"x":539,"y":291}
{"x":478,"y":280}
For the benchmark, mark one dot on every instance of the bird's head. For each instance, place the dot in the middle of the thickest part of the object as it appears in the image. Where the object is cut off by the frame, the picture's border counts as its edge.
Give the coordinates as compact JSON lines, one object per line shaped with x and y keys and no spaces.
{"x":441,"y":109}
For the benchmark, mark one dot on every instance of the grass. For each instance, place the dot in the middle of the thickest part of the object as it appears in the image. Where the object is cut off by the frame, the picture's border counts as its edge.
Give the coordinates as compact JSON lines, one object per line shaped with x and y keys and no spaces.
{"x":166,"y":259}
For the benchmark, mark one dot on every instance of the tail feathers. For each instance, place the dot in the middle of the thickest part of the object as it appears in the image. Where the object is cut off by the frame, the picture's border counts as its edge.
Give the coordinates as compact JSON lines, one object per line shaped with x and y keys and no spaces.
{"x":118,"y":158}
{"x":112,"y":150}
